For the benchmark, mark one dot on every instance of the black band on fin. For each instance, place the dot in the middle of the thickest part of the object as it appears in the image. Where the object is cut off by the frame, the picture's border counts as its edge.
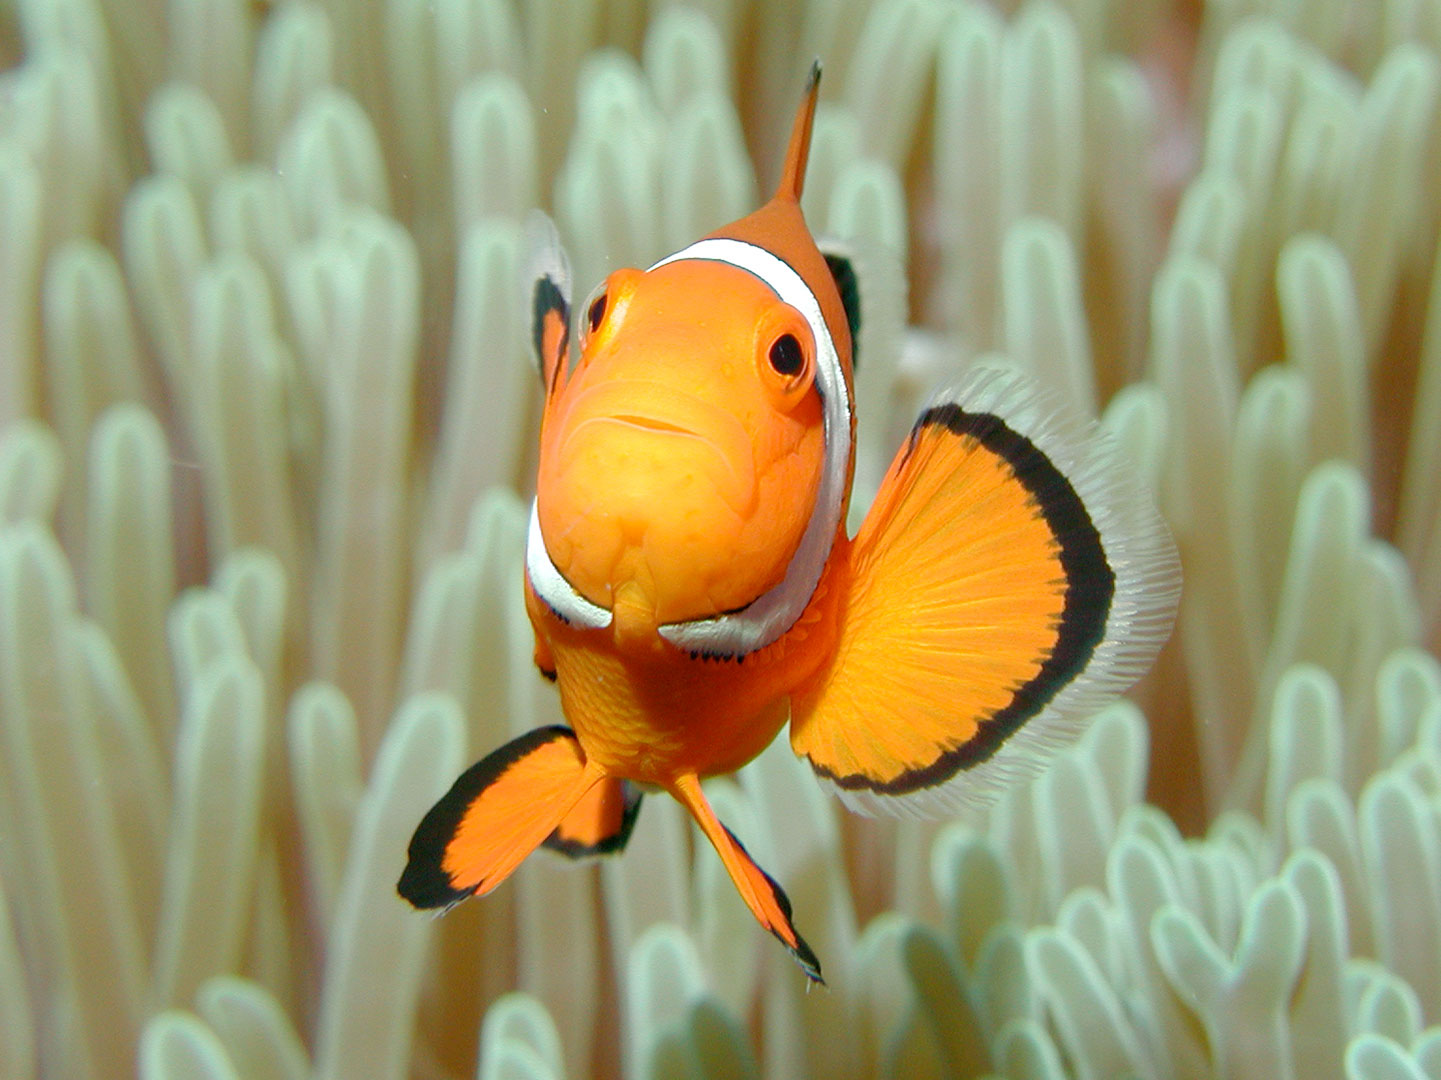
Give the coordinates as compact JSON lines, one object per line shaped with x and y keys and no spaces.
{"x":804,"y":955}
{"x":550,"y":328}
{"x":600,"y":824}
{"x":1090,"y":587}
{"x":425,"y":883}
{"x":843,"y":272}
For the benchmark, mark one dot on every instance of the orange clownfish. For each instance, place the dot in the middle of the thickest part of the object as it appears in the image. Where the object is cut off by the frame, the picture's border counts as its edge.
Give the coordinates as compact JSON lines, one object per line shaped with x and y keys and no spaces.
{"x":692,"y":586}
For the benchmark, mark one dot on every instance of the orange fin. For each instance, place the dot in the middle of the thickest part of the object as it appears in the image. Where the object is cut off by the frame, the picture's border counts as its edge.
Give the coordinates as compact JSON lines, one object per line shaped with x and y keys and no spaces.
{"x":1011,"y":576}
{"x":798,"y":151}
{"x":601,"y":823}
{"x":767,"y":901}
{"x":497,"y":813}
{"x":549,"y":282}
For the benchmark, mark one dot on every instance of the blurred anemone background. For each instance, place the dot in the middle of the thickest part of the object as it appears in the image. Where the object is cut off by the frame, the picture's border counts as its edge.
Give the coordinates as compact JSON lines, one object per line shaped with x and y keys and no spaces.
{"x":267,"y":421}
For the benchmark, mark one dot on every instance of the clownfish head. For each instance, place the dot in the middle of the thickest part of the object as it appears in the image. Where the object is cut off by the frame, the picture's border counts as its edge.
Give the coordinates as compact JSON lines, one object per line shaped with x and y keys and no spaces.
{"x":695,"y":463}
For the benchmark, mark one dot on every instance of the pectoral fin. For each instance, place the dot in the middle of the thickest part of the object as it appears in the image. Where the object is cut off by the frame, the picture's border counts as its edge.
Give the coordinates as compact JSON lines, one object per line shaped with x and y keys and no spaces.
{"x":1011,"y":576}
{"x":549,"y":283}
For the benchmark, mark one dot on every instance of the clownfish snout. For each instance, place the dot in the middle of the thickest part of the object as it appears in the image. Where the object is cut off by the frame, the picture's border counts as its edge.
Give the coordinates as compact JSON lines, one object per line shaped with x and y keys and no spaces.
{"x":680,"y":460}
{"x":623,"y":430}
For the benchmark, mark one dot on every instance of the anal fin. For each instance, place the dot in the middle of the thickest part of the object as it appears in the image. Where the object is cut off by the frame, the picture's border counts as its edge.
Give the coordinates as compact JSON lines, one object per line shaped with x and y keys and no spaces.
{"x":766,"y":899}
{"x":601,"y":823}
{"x":497,"y":813}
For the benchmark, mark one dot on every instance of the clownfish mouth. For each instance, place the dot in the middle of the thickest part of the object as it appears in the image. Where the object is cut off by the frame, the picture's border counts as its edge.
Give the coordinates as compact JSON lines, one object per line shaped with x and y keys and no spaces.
{"x":649,"y":423}
{"x":654,"y":406}
{"x":628,"y":436}
{"x":647,"y":487}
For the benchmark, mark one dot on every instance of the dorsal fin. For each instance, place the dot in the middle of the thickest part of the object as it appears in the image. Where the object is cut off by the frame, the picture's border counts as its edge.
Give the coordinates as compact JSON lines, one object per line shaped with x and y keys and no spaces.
{"x":793,"y":176}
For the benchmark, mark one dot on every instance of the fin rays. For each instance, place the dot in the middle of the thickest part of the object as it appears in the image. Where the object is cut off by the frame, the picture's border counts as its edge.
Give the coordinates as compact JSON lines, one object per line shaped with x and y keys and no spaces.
{"x":600,"y":823}
{"x":496,"y":813}
{"x":1011,"y":575}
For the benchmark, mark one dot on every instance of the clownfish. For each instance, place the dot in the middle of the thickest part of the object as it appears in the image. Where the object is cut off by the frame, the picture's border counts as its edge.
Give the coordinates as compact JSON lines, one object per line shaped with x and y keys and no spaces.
{"x":692,"y":586}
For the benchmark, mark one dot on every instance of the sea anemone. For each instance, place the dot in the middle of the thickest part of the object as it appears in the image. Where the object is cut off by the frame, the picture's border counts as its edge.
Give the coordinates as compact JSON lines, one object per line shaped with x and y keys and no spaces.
{"x":267,"y":417}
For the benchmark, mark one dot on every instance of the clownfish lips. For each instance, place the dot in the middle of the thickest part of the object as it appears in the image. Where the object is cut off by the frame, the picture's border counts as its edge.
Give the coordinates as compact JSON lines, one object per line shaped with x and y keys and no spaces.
{"x":646,"y":490}
{"x":647,"y":423}
{"x":623,"y":431}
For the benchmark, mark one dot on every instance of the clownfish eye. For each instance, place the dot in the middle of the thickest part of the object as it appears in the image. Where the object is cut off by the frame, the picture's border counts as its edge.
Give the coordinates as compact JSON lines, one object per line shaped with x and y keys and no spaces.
{"x":786,"y":355}
{"x":596,"y":313}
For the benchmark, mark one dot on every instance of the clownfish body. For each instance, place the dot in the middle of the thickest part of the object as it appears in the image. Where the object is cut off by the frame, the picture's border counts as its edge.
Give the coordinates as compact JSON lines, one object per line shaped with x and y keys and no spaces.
{"x":692,"y":586}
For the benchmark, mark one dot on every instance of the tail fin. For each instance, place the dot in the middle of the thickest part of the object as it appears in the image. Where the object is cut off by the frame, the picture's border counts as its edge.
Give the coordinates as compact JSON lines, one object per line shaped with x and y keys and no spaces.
{"x":497,"y":813}
{"x":793,"y":176}
{"x":766,"y":899}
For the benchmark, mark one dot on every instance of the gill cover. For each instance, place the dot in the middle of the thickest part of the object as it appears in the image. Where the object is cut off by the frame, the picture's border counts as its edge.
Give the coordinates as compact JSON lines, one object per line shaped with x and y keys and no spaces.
{"x":769,"y":585}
